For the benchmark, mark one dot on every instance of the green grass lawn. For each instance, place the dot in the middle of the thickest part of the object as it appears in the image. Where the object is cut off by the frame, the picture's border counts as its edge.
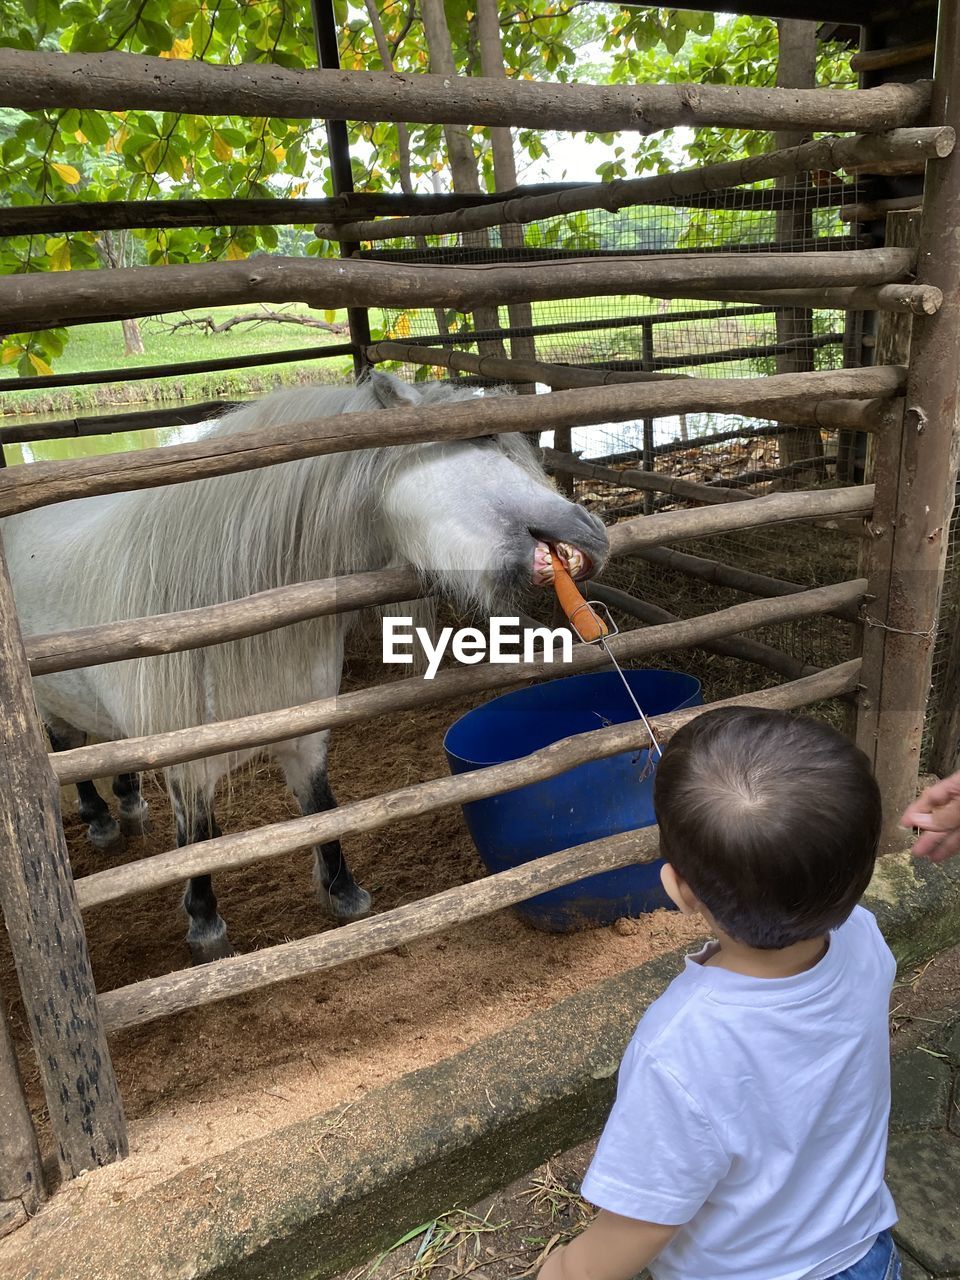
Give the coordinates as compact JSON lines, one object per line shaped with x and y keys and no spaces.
{"x":100,"y":346}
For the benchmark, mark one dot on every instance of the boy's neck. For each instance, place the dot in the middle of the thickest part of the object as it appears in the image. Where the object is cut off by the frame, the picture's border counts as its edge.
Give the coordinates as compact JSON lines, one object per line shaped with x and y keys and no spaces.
{"x":786,"y":962}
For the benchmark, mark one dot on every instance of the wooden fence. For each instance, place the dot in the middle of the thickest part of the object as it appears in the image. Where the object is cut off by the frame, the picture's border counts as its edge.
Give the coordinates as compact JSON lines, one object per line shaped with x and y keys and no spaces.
{"x":906,"y":405}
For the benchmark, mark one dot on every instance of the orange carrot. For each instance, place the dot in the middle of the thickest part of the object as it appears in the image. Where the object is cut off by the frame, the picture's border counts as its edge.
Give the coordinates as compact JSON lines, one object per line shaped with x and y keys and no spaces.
{"x":587,"y":623}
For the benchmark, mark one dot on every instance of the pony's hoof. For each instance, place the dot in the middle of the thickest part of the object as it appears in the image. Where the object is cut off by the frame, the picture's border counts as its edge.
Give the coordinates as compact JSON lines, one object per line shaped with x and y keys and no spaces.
{"x":135,"y":820}
{"x":103,"y":834}
{"x":350,"y":903}
{"x":211,"y":949}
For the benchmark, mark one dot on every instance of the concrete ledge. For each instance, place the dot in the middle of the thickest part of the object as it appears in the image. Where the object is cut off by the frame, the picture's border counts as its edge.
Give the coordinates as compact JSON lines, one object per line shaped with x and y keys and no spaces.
{"x":328,"y":1192}
{"x":917,"y":905}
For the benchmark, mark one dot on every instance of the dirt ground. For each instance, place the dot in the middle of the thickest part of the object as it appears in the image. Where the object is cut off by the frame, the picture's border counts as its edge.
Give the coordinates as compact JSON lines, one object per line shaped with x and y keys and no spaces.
{"x":204,"y":1081}
{"x":510,"y":1234}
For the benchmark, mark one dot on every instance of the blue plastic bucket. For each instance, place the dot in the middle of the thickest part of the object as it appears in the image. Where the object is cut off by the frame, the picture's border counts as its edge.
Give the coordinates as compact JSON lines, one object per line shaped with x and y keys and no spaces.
{"x":598,"y":799}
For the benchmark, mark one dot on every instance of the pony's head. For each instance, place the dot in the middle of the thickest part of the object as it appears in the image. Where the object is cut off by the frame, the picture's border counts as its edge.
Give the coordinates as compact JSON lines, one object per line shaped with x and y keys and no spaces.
{"x":477,"y":516}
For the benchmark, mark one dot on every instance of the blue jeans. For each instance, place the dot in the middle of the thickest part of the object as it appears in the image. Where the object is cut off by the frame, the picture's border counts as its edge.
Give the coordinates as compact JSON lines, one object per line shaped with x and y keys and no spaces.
{"x":881,"y":1263}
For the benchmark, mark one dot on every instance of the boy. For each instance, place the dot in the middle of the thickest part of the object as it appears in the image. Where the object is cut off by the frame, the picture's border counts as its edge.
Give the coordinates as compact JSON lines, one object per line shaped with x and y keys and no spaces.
{"x":749,"y":1133}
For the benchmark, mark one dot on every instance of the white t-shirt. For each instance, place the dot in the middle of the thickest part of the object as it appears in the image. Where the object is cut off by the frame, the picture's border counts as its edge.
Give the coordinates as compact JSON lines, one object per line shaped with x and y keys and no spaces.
{"x":754,"y":1110}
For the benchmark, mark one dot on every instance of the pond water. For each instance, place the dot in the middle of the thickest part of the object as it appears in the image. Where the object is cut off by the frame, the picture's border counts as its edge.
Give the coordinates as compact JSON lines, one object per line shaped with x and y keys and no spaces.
{"x":88,"y":446}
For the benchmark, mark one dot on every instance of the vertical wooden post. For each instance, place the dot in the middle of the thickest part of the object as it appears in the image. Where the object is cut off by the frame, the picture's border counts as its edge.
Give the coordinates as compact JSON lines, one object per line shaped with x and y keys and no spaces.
{"x":21,"y":1179}
{"x":883,"y":459}
{"x":341,"y":170}
{"x":505,"y":178}
{"x":796,"y":69}
{"x":943,"y":727}
{"x":563,"y":440}
{"x":928,"y":463}
{"x":46,"y":931}
{"x":463,"y":161}
{"x":648,"y":457}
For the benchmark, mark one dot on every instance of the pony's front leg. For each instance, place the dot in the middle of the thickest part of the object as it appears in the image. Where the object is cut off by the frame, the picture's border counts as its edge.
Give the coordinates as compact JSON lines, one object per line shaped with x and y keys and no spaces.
{"x":102,"y":828}
{"x":304,"y":764}
{"x":207,"y":932}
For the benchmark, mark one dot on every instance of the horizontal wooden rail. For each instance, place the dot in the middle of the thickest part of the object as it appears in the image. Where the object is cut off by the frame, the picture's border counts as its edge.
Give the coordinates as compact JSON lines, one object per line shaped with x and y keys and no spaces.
{"x":117,"y":215}
{"x":825,"y":154}
{"x":777,"y":508}
{"x":742,"y":648}
{"x":870,"y":60}
{"x":158,"y":997}
{"x":44,"y":299}
{"x":918,"y":299}
{"x":559,"y":377}
{"x":829,"y":415}
{"x":848,"y":415}
{"x":762,"y":474}
{"x":733,"y":577}
{"x":105,"y":424}
{"x":138,"y":1003}
{"x":71,"y":216}
{"x":182,"y":369}
{"x":215,"y":624}
{"x":648,"y":481}
{"x":42,"y":483}
{"x":629,"y":321}
{"x":125,"y":82}
{"x":131,"y":755}
{"x":282,"y":606}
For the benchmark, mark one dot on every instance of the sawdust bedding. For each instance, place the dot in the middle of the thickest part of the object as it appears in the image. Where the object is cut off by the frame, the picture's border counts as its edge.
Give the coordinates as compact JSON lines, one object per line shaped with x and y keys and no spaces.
{"x":207,"y":1080}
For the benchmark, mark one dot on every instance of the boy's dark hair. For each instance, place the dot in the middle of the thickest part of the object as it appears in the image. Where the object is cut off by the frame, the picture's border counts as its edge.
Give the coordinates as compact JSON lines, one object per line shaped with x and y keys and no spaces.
{"x":773,"y":821}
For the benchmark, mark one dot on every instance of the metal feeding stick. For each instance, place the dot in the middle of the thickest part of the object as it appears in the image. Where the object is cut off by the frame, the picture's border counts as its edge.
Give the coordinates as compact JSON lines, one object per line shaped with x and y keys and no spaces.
{"x":595,"y":628}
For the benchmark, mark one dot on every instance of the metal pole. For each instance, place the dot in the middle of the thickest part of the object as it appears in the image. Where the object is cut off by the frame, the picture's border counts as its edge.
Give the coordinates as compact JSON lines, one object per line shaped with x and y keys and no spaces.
{"x":338,"y":146}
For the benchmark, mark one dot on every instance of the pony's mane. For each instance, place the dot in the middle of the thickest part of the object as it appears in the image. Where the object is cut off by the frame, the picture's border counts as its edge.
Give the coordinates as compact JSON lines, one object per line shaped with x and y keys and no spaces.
{"x":231,"y":536}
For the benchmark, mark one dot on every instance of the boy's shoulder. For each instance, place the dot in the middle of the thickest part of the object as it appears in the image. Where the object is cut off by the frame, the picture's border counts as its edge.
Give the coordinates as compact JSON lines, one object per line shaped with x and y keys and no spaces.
{"x":680,"y":1004}
{"x":699,"y":999}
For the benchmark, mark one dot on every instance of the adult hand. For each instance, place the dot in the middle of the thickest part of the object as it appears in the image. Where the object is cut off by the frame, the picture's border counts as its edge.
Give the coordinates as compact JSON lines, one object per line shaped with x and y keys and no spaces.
{"x":937,"y":814}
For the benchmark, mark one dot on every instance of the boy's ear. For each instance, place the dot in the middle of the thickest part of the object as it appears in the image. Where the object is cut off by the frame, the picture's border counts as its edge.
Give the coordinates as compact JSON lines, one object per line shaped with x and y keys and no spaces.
{"x":678,"y":891}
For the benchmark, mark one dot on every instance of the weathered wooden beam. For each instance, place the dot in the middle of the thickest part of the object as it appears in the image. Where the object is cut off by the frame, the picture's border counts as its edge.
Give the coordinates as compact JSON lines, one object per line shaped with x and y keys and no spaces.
{"x":647,"y":481}
{"x":244,"y":848}
{"x":42,"y":483}
{"x":871,"y":211}
{"x":218,"y":623}
{"x":124,"y":82}
{"x":71,"y":216}
{"x":760,"y":475}
{"x":158,"y":997}
{"x":559,"y":377}
{"x":921,"y":299}
{"x":130,"y":755}
{"x":283,"y":606}
{"x":117,"y":215}
{"x":825,"y":154}
{"x":110,"y":423}
{"x":739,"y":647}
{"x":581,"y":375}
{"x":42,"y":299}
{"x":45,"y":929}
{"x":868,"y":60}
{"x":21,"y":1174}
{"x":928,"y":469}
{"x":728,"y":575}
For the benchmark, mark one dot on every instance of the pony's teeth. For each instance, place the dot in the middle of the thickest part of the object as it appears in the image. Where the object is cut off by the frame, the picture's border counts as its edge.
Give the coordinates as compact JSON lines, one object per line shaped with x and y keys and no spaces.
{"x":573,"y":560}
{"x":542,"y":565}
